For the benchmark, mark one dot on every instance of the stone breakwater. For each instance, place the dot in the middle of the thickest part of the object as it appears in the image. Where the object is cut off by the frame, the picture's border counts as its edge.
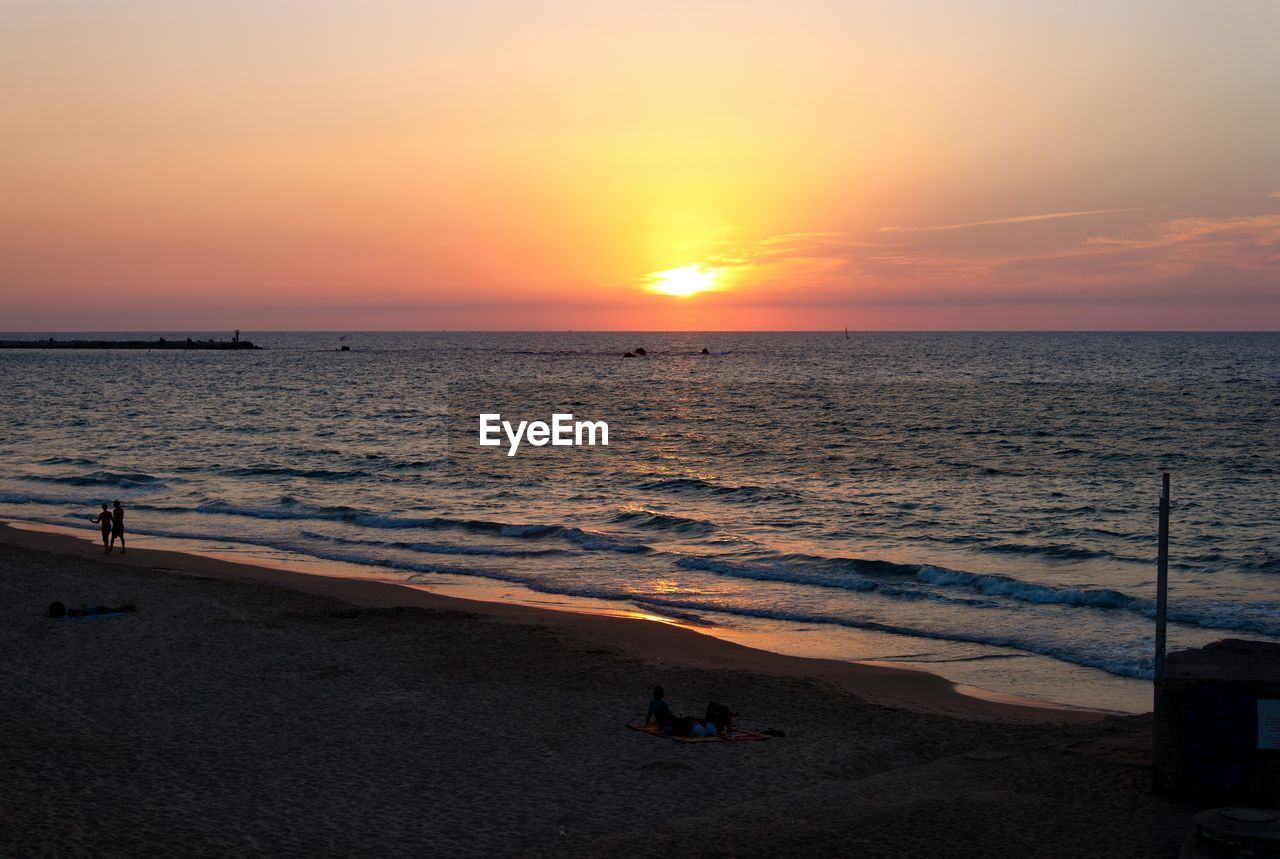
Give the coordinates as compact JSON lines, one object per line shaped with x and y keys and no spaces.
{"x":161,"y":343}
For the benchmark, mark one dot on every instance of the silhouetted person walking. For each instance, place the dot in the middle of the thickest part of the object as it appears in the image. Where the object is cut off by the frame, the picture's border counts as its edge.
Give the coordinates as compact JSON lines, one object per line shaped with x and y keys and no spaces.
{"x":117,"y":526}
{"x":105,"y":519}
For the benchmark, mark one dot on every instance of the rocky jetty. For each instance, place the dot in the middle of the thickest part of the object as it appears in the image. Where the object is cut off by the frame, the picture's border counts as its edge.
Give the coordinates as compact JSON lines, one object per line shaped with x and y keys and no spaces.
{"x":160,"y":343}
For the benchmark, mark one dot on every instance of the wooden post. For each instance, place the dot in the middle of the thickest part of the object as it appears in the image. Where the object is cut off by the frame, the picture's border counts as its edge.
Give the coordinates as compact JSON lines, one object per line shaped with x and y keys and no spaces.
{"x":1162,"y":579}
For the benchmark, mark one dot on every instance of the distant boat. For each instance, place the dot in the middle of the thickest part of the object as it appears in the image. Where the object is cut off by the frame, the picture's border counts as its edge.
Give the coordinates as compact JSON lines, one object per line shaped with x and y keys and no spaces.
{"x":846,"y":332}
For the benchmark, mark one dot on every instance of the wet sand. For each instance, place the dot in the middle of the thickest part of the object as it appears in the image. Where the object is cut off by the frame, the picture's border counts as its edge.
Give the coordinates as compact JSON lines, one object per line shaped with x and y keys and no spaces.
{"x":244,"y":710}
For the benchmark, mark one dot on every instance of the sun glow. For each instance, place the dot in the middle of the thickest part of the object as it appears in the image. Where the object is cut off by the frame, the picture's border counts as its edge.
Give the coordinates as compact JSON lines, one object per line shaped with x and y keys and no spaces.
{"x":684,"y":281}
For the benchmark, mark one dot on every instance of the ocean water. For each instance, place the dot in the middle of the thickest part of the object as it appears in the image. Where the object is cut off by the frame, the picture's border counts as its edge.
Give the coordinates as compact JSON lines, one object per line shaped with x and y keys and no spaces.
{"x":980,"y":505}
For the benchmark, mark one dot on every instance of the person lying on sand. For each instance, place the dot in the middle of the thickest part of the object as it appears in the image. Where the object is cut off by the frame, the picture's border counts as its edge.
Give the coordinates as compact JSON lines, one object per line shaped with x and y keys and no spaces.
{"x":720,"y":716}
{"x":105,"y":520}
{"x":57,"y":609}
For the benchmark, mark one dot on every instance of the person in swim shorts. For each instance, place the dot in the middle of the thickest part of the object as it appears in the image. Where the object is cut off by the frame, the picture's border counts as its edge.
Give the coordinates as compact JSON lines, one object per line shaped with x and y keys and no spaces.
{"x":104,"y":519}
{"x":117,"y":526}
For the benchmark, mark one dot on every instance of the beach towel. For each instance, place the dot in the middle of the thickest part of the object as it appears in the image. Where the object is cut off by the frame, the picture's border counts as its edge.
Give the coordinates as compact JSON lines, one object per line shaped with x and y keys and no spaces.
{"x":737,"y":736}
{"x":728,"y":736}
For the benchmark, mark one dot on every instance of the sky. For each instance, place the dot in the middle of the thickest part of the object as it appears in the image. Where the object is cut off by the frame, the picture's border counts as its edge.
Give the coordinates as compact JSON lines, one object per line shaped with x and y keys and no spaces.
{"x":509,"y":165}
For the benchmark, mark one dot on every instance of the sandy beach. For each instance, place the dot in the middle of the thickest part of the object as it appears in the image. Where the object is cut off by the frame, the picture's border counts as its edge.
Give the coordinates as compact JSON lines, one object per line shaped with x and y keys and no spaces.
{"x":244,"y":710}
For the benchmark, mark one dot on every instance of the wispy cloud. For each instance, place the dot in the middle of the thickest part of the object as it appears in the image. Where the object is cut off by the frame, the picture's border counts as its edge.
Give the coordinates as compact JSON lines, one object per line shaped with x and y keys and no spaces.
{"x":1167,"y":260}
{"x":1015,"y":219}
{"x":1216,"y":252}
{"x":788,"y":247}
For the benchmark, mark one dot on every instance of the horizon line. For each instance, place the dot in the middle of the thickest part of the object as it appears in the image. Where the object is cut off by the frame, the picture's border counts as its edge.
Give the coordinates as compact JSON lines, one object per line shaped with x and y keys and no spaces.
{"x":840,"y":330}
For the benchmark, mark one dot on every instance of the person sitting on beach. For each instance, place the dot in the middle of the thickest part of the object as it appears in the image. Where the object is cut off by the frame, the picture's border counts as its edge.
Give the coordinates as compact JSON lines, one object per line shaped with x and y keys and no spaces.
{"x":58,"y":609}
{"x":660,"y":712}
{"x":105,"y":519}
{"x":117,"y":526}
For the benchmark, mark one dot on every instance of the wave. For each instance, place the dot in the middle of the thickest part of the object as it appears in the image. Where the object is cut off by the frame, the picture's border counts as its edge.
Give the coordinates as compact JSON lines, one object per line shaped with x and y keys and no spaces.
{"x":35,"y":498}
{"x":530,"y":530}
{"x":602,"y":542}
{"x":699,"y":486}
{"x":1049,"y":550}
{"x":798,"y":561}
{"x":592,"y":540}
{"x":304,"y":473}
{"x":289,"y":509}
{"x":414,"y":464}
{"x":1080,"y":654}
{"x":653,"y":520}
{"x":887,"y":579}
{"x":1262,"y":565}
{"x":994,"y":584}
{"x":121,"y":480}
{"x":841,"y":573}
{"x":436,"y":548}
{"x":1056,"y":551}
{"x":775,"y":573}
{"x":1262,"y":618}
{"x":667,"y":611}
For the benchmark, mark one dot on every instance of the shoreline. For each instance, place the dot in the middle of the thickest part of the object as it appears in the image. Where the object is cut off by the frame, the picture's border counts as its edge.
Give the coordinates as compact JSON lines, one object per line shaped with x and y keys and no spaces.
{"x":243,"y":710}
{"x":650,"y":638}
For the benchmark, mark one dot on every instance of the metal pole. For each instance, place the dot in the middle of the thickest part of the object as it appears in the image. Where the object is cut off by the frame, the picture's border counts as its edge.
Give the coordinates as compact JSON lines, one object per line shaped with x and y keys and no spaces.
{"x":1160,"y":777}
{"x":1162,"y":578}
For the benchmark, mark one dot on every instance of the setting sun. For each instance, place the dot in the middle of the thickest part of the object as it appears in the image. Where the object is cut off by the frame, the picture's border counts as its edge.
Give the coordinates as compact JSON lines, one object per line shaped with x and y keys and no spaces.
{"x":684,"y":281}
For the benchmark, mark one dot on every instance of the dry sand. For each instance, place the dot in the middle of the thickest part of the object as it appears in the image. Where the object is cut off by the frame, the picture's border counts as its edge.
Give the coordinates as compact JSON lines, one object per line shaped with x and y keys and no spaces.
{"x":248,"y":711}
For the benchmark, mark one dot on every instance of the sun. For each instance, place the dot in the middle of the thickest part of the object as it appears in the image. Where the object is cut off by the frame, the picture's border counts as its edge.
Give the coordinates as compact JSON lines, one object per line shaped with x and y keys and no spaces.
{"x":684,"y":281}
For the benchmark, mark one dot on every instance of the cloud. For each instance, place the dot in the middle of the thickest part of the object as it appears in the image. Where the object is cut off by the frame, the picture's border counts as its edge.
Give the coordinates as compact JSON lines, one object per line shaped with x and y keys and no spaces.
{"x":1230,"y":258}
{"x":1015,"y":219}
{"x":1224,"y":266}
{"x":790,"y":247}
{"x":1215,"y":263}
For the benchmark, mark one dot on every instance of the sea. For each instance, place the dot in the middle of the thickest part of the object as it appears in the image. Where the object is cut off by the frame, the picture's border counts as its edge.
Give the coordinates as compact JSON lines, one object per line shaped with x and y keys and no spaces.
{"x":983,"y":506}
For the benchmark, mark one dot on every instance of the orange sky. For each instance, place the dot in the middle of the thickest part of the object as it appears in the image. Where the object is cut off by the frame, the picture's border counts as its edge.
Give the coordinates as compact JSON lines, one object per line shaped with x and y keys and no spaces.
{"x":512,"y":165}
